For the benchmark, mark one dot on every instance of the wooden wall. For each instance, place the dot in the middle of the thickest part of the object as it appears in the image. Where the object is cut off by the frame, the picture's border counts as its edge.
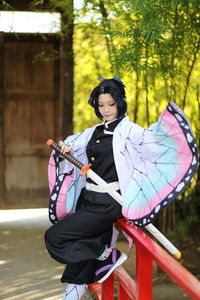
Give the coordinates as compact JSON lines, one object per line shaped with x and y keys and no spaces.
{"x":32,"y":101}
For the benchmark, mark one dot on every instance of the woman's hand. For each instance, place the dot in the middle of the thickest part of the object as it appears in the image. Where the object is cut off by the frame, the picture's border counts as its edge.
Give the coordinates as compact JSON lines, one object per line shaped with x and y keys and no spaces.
{"x":65,"y":148}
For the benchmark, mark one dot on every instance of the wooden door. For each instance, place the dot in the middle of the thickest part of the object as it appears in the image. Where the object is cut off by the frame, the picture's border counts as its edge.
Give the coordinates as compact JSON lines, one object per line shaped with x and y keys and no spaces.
{"x":31,"y":89}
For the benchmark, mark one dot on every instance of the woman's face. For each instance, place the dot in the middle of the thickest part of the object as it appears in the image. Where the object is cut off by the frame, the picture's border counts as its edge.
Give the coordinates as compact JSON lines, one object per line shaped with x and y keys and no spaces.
{"x":107,"y":107}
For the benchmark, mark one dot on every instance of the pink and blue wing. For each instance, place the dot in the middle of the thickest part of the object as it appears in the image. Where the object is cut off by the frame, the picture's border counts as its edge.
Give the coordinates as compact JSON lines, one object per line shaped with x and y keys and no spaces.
{"x":167,"y":163}
{"x":59,"y":203}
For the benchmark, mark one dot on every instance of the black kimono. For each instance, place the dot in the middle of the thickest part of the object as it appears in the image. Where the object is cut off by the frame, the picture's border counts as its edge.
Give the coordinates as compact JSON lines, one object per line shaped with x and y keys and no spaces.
{"x":79,"y":239}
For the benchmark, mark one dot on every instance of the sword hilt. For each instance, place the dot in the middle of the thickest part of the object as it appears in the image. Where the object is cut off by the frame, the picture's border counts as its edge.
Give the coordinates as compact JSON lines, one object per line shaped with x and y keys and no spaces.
{"x":69,"y":157}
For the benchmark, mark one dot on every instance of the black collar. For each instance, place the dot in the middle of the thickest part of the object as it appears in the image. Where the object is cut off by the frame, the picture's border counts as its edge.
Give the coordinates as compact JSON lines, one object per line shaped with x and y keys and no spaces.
{"x":110,"y":126}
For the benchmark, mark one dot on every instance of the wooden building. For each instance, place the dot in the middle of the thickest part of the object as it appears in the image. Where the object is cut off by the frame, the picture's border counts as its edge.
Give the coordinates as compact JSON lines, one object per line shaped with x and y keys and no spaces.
{"x":36,"y":99}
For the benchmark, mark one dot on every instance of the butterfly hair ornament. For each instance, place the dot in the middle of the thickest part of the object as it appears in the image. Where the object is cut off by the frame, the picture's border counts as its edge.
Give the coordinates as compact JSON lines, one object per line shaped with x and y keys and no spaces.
{"x":115,"y":78}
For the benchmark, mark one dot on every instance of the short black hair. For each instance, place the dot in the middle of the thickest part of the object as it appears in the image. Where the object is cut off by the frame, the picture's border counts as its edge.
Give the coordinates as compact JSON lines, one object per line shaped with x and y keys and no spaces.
{"x":116,"y":89}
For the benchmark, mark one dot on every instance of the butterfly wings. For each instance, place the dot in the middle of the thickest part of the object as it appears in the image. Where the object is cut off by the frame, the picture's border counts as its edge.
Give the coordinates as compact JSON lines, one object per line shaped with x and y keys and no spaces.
{"x":167,"y":163}
{"x":60,"y":185}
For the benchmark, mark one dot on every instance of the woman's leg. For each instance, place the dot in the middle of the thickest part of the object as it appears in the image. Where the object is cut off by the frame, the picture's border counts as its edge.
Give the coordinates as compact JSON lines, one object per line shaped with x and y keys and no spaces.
{"x":80,"y":238}
{"x":74,"y":291}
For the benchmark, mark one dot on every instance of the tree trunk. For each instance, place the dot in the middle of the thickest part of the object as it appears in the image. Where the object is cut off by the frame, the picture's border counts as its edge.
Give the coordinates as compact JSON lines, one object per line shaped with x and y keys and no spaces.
{"x":136,"y":96}
{"x":68,"y":86}
{"x":190,"y":72}
{"x":2,"y":148}
{"x":146,"y":87}
{"x":107,"y":32}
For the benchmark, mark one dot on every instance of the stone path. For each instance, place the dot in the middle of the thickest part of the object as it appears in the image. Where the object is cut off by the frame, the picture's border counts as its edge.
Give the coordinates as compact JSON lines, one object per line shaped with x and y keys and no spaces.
{"x":27,"y":271}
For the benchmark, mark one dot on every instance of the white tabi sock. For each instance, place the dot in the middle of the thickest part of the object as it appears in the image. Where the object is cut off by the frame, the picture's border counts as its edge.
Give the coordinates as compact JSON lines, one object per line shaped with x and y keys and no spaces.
{"x":74,"y":291}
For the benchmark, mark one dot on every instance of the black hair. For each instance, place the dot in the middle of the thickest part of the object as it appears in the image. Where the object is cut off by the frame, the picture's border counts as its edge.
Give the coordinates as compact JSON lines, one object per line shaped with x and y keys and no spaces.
{"x":116,"y":89}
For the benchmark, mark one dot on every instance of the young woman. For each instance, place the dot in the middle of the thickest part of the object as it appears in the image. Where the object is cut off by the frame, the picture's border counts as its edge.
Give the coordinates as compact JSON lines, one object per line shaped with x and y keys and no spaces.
{"x":124,"y":155}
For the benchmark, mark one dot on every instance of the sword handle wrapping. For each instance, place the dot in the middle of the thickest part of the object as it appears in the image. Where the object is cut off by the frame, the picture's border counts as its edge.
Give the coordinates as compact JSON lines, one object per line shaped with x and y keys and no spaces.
{"x":69,"y":157}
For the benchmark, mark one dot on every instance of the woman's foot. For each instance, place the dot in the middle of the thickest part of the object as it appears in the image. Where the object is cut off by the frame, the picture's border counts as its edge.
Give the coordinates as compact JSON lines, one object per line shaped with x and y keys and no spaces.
{"x":107,"y":266}
{"x":74,"y":291}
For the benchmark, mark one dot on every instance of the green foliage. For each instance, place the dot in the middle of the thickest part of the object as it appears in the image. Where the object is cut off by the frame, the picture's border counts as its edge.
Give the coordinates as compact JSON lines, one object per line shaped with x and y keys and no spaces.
{"x":155,"y":40}
{"x":5,"y":6}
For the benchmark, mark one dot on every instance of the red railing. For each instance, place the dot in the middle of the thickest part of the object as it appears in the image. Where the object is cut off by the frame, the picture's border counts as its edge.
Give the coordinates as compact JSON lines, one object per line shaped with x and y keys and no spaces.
{"x":147,"y":251}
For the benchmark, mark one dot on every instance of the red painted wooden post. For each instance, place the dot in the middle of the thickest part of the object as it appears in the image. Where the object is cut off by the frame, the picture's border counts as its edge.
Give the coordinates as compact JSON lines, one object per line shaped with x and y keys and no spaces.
{"x":147,"y":251}
{"x":95,"y":289}
{"x":122,"y":295}
{"x":144,"y":269}
{"x":126,"y":283}
{"x":107,"y":292}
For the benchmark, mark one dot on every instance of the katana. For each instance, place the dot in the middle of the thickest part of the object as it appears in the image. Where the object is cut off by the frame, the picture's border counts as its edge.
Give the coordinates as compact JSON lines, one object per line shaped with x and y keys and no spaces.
{"x":86,"y":170}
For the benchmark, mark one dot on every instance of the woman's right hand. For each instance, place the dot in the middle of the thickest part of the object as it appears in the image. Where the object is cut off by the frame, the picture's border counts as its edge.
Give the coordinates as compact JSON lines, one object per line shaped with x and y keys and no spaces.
{"x":65,"y":148}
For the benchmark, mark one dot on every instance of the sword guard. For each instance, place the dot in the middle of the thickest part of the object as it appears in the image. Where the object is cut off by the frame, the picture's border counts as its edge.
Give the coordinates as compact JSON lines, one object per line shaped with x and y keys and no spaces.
{"x":85,"y":169}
